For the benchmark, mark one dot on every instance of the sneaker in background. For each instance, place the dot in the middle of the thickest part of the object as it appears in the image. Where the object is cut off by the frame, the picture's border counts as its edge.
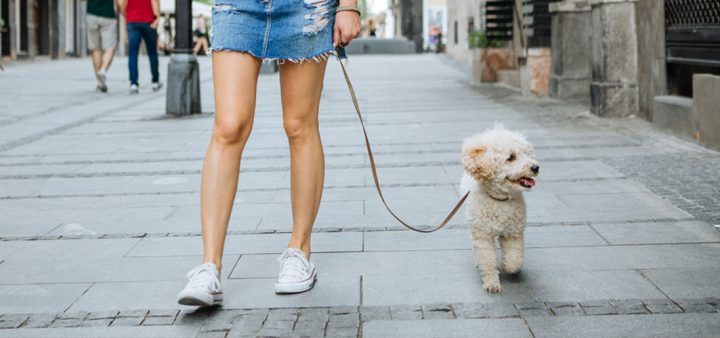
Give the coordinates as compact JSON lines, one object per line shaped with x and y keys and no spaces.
{"x":134,"y":89}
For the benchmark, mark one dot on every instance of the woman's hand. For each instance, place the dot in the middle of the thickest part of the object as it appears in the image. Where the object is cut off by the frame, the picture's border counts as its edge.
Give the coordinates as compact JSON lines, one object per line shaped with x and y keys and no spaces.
{"x":347,"y":27}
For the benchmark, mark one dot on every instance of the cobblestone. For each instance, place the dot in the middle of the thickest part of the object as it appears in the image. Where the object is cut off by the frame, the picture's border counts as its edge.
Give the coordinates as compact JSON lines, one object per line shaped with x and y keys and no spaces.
{"x":697,"y":306}
{"x":127,"y":321}
{"x":598,"y":308}
{"x":478,"y":310}
{"x":406,"y":312}
{"x":102,"y":315}
{"x":39,"y":320}
{"x":533,"y":309}
{"x":437,"y":311}
{"x":96,"y":322}
{"x":628,"y":306}
{"x":12,"y":321}
{"x":566,"y":309}
{"x":689,"y":180}
{"x":66,"y":323}
{"x":368,"y":313}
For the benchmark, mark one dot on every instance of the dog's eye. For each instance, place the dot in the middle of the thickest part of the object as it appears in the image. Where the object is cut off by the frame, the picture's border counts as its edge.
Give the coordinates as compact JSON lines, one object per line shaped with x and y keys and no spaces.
{"x":511,"y":158}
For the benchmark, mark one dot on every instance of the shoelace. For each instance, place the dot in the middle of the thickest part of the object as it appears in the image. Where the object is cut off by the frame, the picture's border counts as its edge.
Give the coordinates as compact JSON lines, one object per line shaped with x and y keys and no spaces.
{"x":201,"y":277}
{"x":292,"y":264}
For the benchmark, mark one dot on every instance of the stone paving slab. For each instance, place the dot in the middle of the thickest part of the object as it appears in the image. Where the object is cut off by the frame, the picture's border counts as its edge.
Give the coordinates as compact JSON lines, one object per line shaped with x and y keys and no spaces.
{"x":74,"y":249}
{"x":87,"y":270}
{"x":452,"y":239}
{"x":247,"y":244}
{"x":330,"y":290}
{"x":130,"y":295}
{"x":557,"y":286}
{"x":657,"y":232}
{"x":670,"y":325}
{"x":39,"y":297}
{"x":91,"y":332}
{"x":687,"y":283}
{"x":447,"y":328}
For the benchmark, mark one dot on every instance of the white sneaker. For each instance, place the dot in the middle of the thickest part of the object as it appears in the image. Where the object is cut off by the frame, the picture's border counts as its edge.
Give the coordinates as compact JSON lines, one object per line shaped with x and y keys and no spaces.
{"x":203,"y":287}
{"x":156,"y":86}
{"x":297,"y":273}
{"x":134,"y":89}
{"x":101,"y":81}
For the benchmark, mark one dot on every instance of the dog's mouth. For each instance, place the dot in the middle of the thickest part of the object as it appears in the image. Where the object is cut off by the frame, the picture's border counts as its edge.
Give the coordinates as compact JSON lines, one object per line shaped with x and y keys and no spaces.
{"x":525,"y":182}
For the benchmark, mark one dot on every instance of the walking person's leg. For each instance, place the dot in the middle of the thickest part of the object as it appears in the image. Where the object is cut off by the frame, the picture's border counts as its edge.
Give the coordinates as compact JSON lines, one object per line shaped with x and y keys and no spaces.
{"x":109,"y":37}
{"x":235,"y":82}
{"x":301,"y":86}
{"x":134,"y":39}
{"x":150,"y":38}
{"x":95,"y":45}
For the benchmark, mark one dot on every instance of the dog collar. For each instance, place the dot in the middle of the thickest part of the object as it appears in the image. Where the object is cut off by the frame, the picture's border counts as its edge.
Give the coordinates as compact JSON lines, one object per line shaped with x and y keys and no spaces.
{"x":497,"y":199}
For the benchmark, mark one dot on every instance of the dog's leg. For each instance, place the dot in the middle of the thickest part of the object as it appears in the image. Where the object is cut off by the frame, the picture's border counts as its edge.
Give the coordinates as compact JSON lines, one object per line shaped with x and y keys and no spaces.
{"x":484,"y":248}
{"x":512,"y":251}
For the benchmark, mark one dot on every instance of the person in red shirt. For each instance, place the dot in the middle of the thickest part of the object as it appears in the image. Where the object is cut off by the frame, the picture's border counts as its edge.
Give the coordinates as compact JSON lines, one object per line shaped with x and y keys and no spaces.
{"x":142,"y":18}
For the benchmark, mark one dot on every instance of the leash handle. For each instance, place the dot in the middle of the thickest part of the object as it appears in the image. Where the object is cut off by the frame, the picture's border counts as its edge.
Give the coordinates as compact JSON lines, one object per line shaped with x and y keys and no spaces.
{"x":374,"y":170}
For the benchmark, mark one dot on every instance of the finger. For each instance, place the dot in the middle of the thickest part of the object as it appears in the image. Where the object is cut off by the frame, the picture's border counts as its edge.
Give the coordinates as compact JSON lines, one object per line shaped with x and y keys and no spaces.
{"x":347,"y":37}
{"x":336,"y":37}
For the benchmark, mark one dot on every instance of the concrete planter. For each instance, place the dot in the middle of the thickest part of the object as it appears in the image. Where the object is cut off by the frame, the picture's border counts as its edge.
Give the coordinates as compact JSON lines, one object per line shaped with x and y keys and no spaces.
{"x":487,"y":61}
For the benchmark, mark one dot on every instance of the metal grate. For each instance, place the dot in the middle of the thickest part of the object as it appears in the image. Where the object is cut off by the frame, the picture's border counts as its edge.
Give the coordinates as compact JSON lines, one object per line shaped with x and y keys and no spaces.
{"x":692,"y":32}
{"x":692,"y":12}
{"x":499,"y":20}
{"x":536,"y":22}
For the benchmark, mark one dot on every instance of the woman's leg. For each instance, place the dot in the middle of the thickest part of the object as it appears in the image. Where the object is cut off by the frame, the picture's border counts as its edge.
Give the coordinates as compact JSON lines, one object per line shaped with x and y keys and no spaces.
{"x":235,"y":80}
{"x":301,"y":85}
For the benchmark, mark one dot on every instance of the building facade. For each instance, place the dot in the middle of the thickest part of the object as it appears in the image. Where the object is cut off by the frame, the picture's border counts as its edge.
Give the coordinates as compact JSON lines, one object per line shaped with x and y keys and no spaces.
{"x":42,"y":28}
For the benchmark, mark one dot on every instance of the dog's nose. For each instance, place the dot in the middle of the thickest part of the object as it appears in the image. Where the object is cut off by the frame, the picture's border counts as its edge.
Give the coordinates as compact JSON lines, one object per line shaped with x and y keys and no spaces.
{"x":535,"y":168}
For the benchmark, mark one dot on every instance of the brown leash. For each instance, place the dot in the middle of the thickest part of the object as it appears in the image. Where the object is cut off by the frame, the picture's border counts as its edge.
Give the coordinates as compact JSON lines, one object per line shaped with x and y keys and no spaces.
{"x":374,"y":170}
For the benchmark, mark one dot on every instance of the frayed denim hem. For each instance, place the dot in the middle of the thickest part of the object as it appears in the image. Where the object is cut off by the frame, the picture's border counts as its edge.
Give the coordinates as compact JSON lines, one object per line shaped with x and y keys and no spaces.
{"x":319,"y":57}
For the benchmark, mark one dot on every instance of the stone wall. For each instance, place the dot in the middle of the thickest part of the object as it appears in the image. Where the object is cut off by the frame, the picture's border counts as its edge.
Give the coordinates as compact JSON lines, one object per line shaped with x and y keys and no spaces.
{"x":650,"y":18}
{"x":571,"y":52}
{"x":613,"y":90}
{"x":706,"y":109}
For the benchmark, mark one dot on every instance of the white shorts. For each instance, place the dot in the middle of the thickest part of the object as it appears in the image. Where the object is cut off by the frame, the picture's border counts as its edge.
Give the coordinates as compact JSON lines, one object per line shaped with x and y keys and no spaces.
{"x":101,"y":32}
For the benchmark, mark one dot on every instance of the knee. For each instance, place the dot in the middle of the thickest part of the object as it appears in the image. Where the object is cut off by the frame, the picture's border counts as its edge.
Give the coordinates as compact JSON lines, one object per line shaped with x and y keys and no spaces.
{"x":231,"y":132}
{"x":300,"y":129}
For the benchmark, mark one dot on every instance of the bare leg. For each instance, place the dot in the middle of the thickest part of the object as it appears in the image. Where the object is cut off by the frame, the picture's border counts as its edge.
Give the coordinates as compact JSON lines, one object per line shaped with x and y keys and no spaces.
{"x":97,"y":58}
{"x":484,"y":248}
{"x":107,"y":57}
{"x":512,"y":250}
{"x":235,"y":80}
{"x":301,"y":85}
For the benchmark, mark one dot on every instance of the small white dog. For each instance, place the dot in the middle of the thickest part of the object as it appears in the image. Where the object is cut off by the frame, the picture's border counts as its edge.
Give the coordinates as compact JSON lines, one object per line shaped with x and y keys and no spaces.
{"x":499,"y":166}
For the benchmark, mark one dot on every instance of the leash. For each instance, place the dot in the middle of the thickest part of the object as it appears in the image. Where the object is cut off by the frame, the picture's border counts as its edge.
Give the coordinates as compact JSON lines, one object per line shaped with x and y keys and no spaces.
{"x":340,"y":54}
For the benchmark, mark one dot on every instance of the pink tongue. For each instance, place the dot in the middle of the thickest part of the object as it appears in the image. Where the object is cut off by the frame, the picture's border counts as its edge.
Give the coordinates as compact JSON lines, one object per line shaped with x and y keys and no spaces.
{"x":528,"y":181}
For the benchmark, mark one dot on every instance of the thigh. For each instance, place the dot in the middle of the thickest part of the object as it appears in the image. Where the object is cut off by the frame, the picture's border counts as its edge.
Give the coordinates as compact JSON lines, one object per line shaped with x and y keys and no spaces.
{"x":108,"y":33}
{"x":235,"y":83}
{"x":93,"y":33}
{"x":300,"y":86}
{"x":149,"y":35}
{"x":134,"y":38}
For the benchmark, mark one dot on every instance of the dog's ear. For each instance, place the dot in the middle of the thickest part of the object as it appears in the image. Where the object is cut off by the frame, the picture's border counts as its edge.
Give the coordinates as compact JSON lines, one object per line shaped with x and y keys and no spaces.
{"x":477,"y":162}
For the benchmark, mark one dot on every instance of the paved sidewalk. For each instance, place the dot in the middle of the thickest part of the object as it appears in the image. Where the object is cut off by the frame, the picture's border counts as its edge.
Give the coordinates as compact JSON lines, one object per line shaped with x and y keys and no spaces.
{"x":99,"y":200}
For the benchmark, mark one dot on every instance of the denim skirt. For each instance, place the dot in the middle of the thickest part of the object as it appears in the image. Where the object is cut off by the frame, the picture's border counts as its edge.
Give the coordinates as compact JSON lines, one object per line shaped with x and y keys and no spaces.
{"x":294,"y":30}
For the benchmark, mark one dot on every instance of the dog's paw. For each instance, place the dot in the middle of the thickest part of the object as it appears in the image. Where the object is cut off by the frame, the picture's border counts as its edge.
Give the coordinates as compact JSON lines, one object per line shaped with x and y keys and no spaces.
{"x":492,"y":285}
{"x":512,"y":267}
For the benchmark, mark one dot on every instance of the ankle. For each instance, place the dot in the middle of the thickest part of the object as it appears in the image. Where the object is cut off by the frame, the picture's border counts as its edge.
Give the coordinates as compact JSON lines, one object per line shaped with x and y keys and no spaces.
{"x":218,"y":263}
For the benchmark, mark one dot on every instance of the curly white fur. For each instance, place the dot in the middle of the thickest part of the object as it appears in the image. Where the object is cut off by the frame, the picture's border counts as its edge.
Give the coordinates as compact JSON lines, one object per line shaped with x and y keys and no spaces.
{"x":499,"y":165}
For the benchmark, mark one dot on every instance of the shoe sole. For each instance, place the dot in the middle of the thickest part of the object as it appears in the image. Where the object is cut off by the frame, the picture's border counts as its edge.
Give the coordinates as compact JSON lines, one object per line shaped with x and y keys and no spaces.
{"x":200,"y":299}
{"x":284,"y":289}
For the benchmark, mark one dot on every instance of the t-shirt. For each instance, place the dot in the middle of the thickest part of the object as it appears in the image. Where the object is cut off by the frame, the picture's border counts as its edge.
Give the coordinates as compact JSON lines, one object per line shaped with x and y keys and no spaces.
{"x":103,"y":8}
{"x":139,"y":11}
